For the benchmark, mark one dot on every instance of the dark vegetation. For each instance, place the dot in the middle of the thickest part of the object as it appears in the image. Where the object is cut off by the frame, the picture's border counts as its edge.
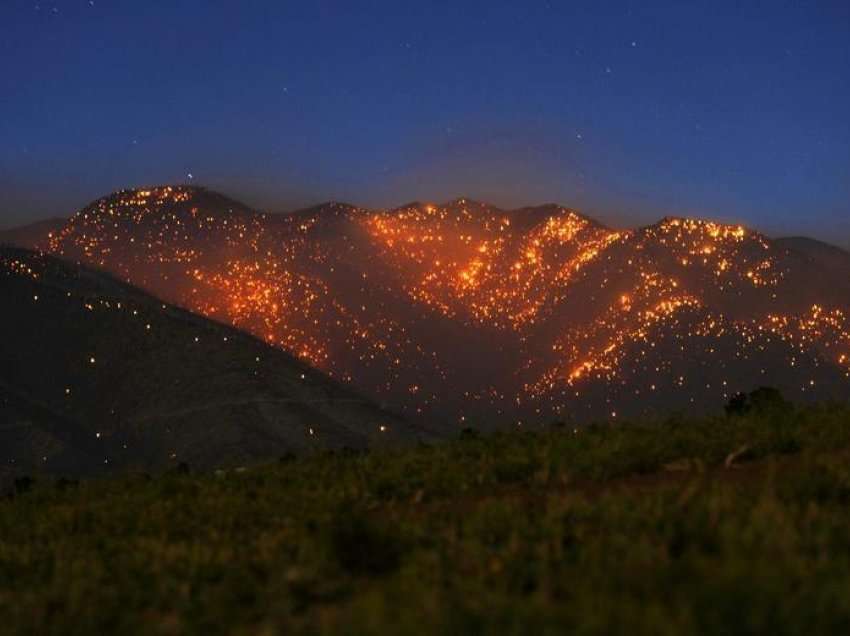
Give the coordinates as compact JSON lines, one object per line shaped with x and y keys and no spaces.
{"x":734,"y":525}
{"x":762,"y":400}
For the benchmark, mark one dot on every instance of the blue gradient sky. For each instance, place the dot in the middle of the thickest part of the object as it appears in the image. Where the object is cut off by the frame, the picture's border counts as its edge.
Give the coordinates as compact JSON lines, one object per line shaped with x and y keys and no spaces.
{"x":626,"y":110}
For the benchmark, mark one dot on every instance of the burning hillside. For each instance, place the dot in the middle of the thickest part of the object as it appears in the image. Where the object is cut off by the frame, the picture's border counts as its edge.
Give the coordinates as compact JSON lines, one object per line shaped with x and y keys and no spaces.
{"x":487,"y":316}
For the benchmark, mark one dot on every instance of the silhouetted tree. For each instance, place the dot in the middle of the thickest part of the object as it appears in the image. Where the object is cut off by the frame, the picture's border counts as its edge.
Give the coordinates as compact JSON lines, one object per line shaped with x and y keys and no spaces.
{"x":767,"y":399}
{"x":739,"y":404}
{"x":761,"y":400}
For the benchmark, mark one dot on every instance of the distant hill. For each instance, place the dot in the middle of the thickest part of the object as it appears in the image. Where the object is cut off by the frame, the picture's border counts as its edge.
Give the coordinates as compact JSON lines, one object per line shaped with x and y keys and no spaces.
{"x":99,"y":376}
{"x":490,"y":317}
{"x":31,"y":236}
{"x":820,"y":253}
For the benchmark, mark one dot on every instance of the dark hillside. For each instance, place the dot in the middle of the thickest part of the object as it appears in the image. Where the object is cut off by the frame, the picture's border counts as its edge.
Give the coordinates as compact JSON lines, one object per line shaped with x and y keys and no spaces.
{"x":32,"y":236}
{"x":98,"y":376}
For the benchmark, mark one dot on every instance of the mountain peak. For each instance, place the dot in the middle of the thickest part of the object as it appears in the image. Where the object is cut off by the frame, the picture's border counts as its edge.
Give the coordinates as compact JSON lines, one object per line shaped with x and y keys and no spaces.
{"x":467,"y":203}
{"x":695,"y":227}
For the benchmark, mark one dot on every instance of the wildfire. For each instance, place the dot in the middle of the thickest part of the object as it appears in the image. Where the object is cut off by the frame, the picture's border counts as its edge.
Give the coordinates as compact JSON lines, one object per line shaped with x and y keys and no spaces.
{"x":567,"y":304}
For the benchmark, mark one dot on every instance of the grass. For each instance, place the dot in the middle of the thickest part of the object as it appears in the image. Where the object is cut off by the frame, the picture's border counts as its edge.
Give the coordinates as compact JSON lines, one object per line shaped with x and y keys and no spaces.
{"x":635,"y":529}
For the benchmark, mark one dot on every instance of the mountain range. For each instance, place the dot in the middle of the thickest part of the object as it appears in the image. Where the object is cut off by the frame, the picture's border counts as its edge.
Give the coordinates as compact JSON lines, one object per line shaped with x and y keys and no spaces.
{"x":466,"y":314}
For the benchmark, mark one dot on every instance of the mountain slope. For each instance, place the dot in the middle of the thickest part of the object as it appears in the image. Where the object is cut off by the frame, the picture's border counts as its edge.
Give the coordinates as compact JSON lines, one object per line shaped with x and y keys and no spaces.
{"x":33,"y":236}
{"x":97,"y":375}
{"x":487,"y":316}
{"x":823,"y":254}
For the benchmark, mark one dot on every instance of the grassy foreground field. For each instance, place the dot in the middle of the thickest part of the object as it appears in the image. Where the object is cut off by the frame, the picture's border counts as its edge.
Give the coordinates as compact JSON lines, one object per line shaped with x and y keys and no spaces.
{"x":735,"y":525}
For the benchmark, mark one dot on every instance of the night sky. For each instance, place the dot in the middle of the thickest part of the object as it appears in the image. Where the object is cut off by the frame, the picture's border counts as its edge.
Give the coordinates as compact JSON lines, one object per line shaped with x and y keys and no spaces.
{"x":628,"y":111}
